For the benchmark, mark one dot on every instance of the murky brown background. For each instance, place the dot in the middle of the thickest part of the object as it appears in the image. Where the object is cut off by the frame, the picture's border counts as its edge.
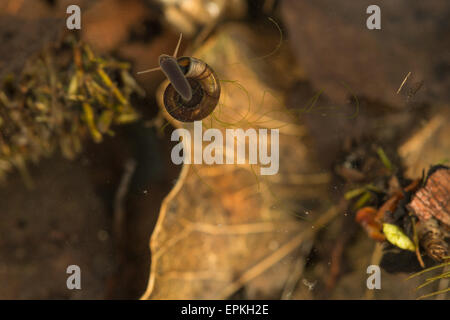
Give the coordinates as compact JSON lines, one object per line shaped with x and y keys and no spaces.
{"x":68,"y":216}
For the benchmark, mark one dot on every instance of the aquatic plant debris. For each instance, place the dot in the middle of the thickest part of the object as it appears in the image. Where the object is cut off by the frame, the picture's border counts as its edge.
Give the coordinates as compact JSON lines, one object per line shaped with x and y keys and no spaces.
{"x":62,"y":95}
{"x":443,"y":275}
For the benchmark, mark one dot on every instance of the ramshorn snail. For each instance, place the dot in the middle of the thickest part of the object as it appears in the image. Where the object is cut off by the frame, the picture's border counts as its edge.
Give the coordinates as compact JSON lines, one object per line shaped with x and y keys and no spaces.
{"x":194,"y":89}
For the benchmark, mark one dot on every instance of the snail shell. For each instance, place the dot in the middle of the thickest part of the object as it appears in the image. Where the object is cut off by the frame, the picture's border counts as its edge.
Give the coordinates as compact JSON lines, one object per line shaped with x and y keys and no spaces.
{"x":205,"y":92}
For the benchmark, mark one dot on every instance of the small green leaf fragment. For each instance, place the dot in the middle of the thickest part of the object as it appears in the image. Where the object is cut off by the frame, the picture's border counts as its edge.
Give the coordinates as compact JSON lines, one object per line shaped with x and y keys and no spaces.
{"x":396,"y":236}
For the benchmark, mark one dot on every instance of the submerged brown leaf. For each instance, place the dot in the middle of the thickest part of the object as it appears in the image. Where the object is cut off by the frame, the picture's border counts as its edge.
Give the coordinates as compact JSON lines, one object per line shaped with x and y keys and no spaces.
{"x":225,"y":229}
{"x":428,"y":145}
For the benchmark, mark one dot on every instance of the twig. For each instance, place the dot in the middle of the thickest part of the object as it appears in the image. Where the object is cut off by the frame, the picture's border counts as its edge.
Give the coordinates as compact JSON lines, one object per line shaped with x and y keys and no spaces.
{"x":282,"y":252}
{"x":404,"y":80}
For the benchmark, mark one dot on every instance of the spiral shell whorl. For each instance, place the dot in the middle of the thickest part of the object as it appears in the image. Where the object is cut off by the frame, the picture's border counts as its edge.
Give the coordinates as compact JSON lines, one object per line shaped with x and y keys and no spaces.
{"x":205,"y":92}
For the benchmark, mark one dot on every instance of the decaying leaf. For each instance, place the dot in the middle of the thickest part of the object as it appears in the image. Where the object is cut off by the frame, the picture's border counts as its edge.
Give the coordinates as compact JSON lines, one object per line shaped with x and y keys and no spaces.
{"x":226,"y":228}
{"x":428,"y":145}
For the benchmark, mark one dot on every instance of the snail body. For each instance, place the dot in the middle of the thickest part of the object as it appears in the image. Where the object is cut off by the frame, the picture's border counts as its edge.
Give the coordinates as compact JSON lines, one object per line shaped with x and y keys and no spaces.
{"x":194,"y":89}
{"x":169,"y":66}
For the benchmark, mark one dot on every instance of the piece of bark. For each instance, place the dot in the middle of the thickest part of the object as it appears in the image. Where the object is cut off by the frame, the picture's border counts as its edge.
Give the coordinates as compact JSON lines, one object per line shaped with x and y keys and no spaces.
{"x":433,"y":200}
